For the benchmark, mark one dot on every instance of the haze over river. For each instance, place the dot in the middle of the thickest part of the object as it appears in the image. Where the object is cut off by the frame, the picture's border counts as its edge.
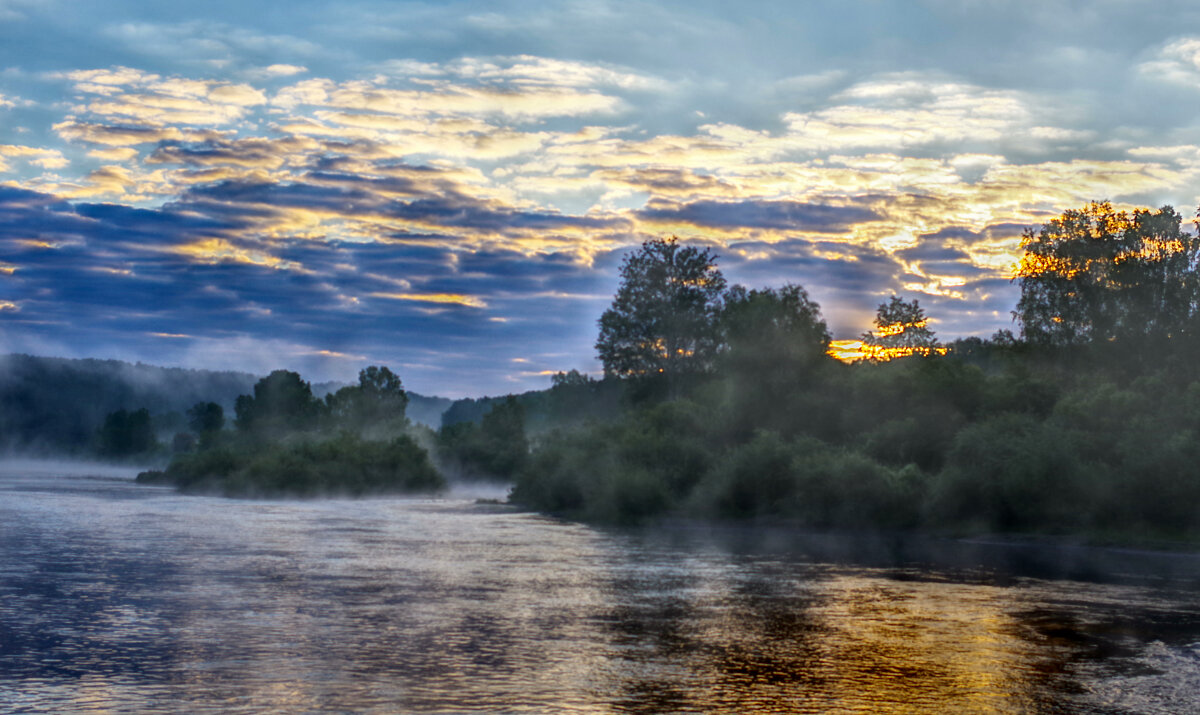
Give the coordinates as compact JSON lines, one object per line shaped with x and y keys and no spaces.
{"x":123,"y":598}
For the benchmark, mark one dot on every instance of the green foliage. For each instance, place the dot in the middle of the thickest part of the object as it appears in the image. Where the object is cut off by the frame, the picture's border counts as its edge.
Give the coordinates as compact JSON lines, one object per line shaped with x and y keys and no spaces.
{"x":494,"y":449}
{"x":1096,"y":274}
{"x":1010,"y":472}
{"x":126,"y":433}
{"x":1001,"y":434}
{"x":376,"y":404}
{"x":769,"y":330}
{"x":901,"y":329}
{"x":619,"y":471}
{"x":342,"y":465}
{"x":756,"y":479}
{"x":206,"y":417}
{"x":282,"y":403}
{"x":662,"y":321}
{"x":59,"y":405}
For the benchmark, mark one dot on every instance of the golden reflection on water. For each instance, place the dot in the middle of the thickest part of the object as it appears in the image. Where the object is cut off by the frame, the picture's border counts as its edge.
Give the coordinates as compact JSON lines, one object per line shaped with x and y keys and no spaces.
{"x":187,"y":604}
{"x":837,"y":643}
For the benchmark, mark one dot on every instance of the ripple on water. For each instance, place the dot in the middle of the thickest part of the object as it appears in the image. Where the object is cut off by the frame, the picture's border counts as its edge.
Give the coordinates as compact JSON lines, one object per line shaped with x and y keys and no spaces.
{"x":115,"y":598}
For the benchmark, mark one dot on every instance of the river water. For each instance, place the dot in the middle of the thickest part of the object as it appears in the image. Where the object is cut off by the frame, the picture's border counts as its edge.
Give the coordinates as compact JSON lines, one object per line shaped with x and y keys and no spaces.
{"x":123,"y":598}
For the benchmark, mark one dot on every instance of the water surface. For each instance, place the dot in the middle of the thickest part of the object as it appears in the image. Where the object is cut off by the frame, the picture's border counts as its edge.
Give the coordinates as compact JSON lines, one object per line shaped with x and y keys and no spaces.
{"x":123,"y":598}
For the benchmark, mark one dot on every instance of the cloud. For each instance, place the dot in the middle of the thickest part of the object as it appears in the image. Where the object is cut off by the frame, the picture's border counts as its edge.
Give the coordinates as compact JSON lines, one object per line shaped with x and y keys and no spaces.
{"x":274,"y":71}
{"x":202,"y":40}
{"x":127,"y":134}
{"x":1178,"y":62}
{"x":435,"y":298}
{"x":512,"y":102}
{"x":247,"y":153}
{"x":135,"y":96}
{"x":258,"y":183}
{"x":533,"y":71}
{"x":44,"y":158}
{"x":768,"y":215}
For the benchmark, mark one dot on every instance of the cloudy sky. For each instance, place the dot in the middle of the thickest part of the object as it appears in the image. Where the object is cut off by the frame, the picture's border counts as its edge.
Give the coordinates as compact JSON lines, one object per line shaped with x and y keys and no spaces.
{"x":448,"y":188}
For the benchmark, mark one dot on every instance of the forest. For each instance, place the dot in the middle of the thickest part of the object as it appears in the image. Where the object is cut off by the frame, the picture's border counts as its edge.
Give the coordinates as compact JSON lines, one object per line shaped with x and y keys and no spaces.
{"x":722,"y":402}
{"x":1084,"y":422}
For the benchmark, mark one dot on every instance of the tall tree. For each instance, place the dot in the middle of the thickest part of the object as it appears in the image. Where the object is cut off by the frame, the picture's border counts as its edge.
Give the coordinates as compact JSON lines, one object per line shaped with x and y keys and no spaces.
{"x":766,"y":329}
{"x":663,"y":317}
{"x":127,"y":433}
{"x":901,"y":329}
{"x":206,"y":419}
{"x":1098,"y":274}
{"x":378,"y":400}
{"x":282,"y":401}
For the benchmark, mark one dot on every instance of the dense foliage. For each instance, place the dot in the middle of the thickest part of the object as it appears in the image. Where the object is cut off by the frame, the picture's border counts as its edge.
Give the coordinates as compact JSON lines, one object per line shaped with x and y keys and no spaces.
{"x":723,"y":403}
{"x":901,"y":329}
{"x":1097,"y":274}
{"x":355,"y":442}
{"x":1001,"y":434}
{"x":662,"y":318}
{"x":341,"y":465}
{"x":58,"y":406}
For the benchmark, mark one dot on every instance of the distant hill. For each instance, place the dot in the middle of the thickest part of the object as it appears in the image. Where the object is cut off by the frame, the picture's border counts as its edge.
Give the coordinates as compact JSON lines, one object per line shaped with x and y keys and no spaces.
{"x":57,"y":404}
{"x":427,"y":410}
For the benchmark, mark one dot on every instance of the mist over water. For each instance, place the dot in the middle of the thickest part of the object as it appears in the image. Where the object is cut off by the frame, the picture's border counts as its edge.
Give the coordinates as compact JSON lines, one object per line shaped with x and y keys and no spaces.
{"x":117,"y":597}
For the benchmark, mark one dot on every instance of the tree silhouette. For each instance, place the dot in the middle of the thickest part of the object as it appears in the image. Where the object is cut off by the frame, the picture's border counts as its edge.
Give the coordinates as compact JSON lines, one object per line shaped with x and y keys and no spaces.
{"x":663,"y":318}
{"x":901,"y":329}
{"x":764,"y":329}
{"x":1097,"y":274}
{"x":378,"y":398}
{"x":127,"y":433}
{"x":282,"y":401}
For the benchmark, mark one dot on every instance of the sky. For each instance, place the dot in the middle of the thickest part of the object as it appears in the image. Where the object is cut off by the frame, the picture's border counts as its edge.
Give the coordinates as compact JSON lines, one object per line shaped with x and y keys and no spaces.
{"x":448,"y":188}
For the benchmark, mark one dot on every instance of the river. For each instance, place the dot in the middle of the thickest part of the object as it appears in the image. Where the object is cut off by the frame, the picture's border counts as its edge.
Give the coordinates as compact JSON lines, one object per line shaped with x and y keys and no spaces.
{"x":123,"y":598}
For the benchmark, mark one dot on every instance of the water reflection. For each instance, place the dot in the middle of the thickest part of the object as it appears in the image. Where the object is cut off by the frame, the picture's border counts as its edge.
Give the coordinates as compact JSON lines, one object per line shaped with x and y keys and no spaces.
{"x":116,"y":597}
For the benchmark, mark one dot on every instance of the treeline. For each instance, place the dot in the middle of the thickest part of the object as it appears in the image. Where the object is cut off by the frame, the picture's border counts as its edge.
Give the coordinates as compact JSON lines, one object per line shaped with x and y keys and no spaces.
{"x":286,"y":441}
{"x":723,"y":402}
{"x":120,"y":410}
{"x":1086,"y":421}
{"x":59,"y":405}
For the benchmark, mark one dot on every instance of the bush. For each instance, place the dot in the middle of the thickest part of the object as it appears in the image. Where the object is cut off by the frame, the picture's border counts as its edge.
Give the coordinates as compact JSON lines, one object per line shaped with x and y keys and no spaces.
{"x":343,"y":465}
{"x":1013,"y":472}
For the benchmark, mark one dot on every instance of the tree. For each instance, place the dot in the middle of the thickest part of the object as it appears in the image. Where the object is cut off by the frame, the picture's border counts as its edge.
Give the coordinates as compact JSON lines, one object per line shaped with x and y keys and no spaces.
{"x":765,"y":329}
{"x":663,"y":318}
{"x":206,"y":419}
{"x":901,"y":330}
{"x":1097,"y":274}
{"x":281,"y":402}
{"x":127,"y":433}
{"x":497,"y":447}
{"x":572,"y":379}
{"x":377,"y":400}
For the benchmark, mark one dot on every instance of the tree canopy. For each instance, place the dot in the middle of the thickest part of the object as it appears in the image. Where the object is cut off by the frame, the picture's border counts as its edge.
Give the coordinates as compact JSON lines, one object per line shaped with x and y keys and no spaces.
{"x":282,"y":401}
{"x":663,"y":318}
{"x":205,"y":417}
{"x":901,"y":329}
{"x":126,"y":433}
{"x":1098,"y":274}
{"x":764,"y":328}
{"x":377,"y":400}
